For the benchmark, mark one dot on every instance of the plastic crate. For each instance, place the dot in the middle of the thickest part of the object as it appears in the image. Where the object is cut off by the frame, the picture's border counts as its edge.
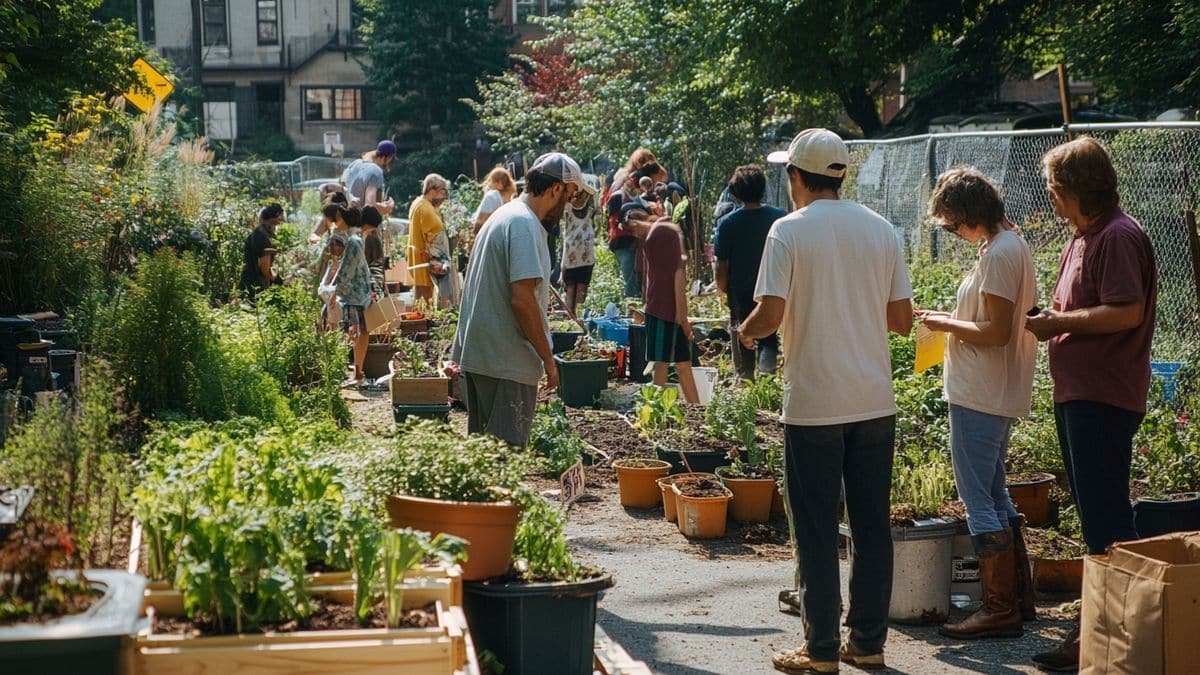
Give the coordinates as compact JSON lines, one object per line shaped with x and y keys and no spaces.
{"x":402,"y":411}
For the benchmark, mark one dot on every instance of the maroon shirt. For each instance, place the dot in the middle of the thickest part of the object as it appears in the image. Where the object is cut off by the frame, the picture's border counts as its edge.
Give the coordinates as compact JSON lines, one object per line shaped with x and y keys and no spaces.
{"x":663,"y":257}
{"x":1110,"y":264}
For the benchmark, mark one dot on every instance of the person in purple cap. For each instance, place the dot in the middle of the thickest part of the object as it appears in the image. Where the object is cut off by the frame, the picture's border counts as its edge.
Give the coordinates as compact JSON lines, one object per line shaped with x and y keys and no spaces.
{"x":364,"y":178}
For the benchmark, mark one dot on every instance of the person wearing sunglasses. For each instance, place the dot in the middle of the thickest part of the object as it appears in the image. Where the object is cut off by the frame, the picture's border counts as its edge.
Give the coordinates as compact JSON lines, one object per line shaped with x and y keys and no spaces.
{"x":988,"y":379}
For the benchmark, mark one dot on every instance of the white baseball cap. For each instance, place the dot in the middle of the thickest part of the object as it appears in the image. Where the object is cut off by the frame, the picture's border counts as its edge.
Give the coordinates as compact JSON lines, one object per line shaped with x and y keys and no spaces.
{"x":557,"y":165}
{"x":818,"y":151}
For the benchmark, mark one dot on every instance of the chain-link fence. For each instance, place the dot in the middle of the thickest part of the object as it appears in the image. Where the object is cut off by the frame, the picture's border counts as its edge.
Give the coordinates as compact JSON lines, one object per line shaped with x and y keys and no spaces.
{"x":1158,"y":169}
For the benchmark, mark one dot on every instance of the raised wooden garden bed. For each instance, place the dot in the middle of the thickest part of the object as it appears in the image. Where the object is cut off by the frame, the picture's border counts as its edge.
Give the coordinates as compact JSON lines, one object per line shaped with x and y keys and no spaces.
{"x":420,"y":390}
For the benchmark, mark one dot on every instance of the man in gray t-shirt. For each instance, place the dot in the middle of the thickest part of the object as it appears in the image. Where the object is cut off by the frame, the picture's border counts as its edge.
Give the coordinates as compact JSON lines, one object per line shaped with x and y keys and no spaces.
{"x":503,"y":341}
{"x":363,"y":178}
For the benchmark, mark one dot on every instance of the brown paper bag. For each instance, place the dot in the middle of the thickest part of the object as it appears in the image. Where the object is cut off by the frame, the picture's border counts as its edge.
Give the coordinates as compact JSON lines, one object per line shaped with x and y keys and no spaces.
{"x":1141,"y":607}
{"x":379,"y":315}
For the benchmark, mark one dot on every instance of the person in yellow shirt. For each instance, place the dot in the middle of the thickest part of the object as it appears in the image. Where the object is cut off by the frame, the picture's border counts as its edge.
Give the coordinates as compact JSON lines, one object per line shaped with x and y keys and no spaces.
{"x":425,"y":223}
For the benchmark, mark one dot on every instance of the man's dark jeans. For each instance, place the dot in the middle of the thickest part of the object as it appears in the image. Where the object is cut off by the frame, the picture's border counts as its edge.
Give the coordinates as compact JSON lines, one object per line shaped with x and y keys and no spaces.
{"x":1097,"y":445}
{"x":746,"y":361}
{"x":818,"y":459}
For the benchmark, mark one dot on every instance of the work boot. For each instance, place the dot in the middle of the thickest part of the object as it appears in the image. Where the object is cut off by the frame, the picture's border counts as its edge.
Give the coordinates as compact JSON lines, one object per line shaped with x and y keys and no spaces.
{"x":1025,"y":598}
{"x":1063,"y":658}
{"x":999,"y":616}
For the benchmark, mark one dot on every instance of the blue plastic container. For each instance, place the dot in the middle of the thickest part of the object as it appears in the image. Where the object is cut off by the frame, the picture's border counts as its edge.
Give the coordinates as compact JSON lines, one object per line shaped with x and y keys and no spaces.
{"x":1166,"y":372}
{"x":614,"y":330}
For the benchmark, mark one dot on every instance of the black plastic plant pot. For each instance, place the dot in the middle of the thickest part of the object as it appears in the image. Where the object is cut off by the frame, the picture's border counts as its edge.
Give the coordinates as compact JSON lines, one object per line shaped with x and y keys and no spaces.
{"x":84,"y":643}
{"x":379,"y":355}
{"x":701,"y":461}
{"x":428,"y":411}
{"x":563,"y":341}
{"x":580,"y":382}
{"x":1179,"y":513}
{"x":535,"y":627}
{"x":637,"y":353}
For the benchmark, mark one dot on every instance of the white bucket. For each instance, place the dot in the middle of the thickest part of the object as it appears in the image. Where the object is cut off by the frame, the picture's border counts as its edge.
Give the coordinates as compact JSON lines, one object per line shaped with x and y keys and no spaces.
{"x":706,"y":382}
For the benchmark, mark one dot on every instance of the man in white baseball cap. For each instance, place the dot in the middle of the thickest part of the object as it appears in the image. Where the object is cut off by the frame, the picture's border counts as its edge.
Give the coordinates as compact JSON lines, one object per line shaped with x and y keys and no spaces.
{"x":833,"y":275}
{"x":502,"y":346}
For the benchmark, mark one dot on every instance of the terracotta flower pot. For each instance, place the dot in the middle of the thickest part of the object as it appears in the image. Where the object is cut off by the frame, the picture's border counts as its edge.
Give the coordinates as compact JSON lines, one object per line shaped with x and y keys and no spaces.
{"x":701,"y":517}
{"x":637,"y":481}
{"x":668,"y":496}
{"x":488,"y":527}
{"x":1058,"y":576}
{"x":752,"y":497}
{"x":1032,"y":498}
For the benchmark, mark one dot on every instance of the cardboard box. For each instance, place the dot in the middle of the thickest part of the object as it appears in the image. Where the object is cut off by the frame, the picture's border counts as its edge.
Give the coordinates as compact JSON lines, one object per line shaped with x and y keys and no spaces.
{"x":1141,"y":607}
{"x":420,"y":390}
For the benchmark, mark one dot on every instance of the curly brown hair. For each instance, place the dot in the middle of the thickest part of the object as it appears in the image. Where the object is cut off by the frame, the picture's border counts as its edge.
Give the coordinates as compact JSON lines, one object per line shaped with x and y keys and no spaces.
{"x":1083,"y":169}
{"x":964,"y":196}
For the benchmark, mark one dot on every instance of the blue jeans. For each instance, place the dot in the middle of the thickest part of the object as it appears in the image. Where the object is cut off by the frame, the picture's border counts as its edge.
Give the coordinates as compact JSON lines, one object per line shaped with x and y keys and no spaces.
{"x":627,"y":259}
{"x":818,"y":460}
{"x":978,"y":446}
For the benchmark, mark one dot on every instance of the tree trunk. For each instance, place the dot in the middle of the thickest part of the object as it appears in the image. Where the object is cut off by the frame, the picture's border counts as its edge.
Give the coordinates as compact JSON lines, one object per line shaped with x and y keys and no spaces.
{"x":861,"y":108}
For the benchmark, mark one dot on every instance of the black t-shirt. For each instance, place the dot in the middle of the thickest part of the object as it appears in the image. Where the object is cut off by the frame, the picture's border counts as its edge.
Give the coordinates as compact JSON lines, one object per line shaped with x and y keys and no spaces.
{"x":256,"y":247}
{"x":740,"y":239}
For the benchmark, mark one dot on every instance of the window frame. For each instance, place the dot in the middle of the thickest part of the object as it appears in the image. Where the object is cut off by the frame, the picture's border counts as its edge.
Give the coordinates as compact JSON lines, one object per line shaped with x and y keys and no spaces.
{"x":205,"y":5}
{"x":260,"y":22}
{"x":362,"y":95}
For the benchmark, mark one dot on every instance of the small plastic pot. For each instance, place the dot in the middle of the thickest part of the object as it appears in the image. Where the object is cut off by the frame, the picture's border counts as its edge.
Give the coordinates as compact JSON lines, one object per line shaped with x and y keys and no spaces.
{"x":752,"y":497}
{"x":1032,"y":499}
{"x":637,"y":481}
{"x":668,"y":495}
{"x":701,"y":517}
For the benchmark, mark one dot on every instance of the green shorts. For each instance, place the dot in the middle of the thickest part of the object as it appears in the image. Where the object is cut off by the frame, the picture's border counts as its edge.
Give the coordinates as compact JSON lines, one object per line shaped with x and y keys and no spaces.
{"x":666,"y":341}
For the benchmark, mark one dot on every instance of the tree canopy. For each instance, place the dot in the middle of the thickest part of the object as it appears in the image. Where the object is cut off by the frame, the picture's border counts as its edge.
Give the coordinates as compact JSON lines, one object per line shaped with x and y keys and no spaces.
{"x":425,"y":57}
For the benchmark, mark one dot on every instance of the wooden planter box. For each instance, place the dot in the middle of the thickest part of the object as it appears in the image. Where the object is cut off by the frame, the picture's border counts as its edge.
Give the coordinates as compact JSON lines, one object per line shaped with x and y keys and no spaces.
{"x":420,"y":390}
{"x":442,"y":650}
{"x":445,"y":649}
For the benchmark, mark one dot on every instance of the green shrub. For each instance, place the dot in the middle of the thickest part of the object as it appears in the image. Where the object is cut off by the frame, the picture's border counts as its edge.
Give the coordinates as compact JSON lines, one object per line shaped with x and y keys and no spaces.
{"x":73,"y":454}
{"x":552,"y":437}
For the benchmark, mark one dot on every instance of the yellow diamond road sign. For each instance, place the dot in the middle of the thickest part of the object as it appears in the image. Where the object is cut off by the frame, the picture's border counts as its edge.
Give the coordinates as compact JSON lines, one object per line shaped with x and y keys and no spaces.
{"x":156,"y":87}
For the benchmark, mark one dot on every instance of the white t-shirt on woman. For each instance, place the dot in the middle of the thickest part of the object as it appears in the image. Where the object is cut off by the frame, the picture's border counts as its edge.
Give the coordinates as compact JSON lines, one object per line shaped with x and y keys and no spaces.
{"x":995,"y":380}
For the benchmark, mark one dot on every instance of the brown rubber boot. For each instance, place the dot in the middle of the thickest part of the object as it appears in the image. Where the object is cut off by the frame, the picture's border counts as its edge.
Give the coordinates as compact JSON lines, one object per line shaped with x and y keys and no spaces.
{"x":1026,"y":601}
{"x":999,"y":616}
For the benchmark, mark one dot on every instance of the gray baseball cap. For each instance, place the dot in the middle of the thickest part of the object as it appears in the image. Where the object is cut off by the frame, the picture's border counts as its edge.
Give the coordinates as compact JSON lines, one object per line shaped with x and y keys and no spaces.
{"x":557,"y":165}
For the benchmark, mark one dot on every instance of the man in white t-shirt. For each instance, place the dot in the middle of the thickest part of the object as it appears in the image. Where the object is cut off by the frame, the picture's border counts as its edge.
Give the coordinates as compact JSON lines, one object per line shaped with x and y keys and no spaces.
{"x":833,"y":281}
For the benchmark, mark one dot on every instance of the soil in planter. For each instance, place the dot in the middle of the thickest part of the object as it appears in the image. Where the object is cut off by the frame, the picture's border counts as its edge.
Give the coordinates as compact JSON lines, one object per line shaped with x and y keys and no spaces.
{"x":748,"y":471}
{"x":327,"y":615}
{"x":68,"y":598}
{"x":1050,"y":545}
{"x":955,"y":510}
{"x":705,"y":487}
{"x":1024,"y":477}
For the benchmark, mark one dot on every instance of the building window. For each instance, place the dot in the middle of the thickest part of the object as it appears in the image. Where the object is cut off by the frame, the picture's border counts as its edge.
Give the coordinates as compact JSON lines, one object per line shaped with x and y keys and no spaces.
{"x":216,"y":24}
{"x":147,"y":11}
{"x":268,"y":22}
{"x":323,"y":104}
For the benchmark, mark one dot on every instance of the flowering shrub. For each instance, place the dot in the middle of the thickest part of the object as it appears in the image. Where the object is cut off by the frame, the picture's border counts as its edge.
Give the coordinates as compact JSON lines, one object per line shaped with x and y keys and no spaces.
{"x":1167,"y":458}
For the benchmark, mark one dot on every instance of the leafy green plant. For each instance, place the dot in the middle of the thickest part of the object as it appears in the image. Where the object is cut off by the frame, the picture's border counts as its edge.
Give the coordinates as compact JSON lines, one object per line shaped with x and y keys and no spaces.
{"x":1168,"y":453}
{"x":540,"y":546}
{"x":402,"y":552}
{"x":409,"y":359}
{"x":551,"y":436}
{"x":657,"y":409}
{"x":921,"y":483}
{"x":590,"y":350}
{"x":766,"y":391}
{"x":430,"y":460}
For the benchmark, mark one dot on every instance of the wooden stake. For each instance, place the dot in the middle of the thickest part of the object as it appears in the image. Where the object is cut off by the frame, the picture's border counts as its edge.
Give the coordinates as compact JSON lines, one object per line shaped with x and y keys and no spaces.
{"x":1064,"y":96}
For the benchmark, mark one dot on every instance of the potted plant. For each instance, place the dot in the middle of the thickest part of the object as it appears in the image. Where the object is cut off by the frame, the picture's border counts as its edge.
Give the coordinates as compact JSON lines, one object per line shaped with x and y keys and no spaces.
{"x":1056,"y":556}
{"x":542,"y":616}
{"x":61,"y":621}
{"x":1030,"y":493}
{"x":418,"y":388}
{"x":583,"y":372}
{"x":637,"y":481}
{"x":687,"y":444}
{"x":922,"y":485}
{"x":701,"y":507}
{"x":749,"y":478}
{"x":434,"y":480}
{"x":564,"y":333}
{"x":1167,"y":464}
{"x":666,"y":487}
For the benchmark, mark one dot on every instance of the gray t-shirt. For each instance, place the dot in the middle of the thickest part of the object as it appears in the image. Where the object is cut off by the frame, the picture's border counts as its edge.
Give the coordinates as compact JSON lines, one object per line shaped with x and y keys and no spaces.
{"x":489,"y":340}
{"x":360,"y":175}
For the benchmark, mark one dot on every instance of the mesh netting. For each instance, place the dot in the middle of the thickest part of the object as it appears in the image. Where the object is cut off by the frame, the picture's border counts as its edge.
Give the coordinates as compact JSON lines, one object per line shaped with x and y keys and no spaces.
{"x":1155,"y":168}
